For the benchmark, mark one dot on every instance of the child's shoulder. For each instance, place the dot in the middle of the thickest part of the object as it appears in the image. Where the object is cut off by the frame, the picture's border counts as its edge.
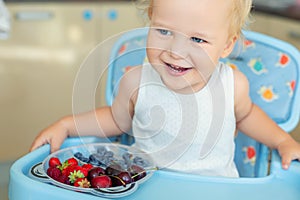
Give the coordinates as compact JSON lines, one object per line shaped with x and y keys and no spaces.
{"x":241,"y":86}
{"x":240,"y":79}
{"x":130,"y":81}
{"x":132,"y":75}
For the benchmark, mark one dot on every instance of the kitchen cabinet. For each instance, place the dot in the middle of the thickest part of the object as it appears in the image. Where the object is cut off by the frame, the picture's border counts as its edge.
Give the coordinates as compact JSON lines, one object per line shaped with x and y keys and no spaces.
{"x":40,"y":60}
{"x":280,"y":27}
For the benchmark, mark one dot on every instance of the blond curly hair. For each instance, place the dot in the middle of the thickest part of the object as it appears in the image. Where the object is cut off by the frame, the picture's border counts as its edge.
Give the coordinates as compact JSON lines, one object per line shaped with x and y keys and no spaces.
{"x":239,"y":14}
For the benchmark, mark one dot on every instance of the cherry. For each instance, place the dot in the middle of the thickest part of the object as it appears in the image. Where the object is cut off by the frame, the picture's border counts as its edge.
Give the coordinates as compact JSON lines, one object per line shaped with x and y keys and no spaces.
{"x":113,"y":169}
{"x":137,"y":172}
{"x":121,"y":179}
{"x":125,"y":176}
{"x":95,"y":171}
{"x":116,"y":181}
{"x":102,"y":181}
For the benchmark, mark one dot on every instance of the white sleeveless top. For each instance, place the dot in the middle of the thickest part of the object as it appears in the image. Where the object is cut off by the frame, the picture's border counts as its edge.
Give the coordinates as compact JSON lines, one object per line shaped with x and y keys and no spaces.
{"x":191,"y":133}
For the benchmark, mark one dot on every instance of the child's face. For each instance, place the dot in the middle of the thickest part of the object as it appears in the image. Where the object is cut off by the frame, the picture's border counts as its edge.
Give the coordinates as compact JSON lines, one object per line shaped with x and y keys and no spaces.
{"x":186,"y":40}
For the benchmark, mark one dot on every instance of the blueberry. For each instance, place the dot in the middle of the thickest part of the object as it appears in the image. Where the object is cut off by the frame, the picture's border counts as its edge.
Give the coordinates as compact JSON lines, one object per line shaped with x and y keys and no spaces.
{"x":122,"y":164}
{"x":94,"y":162}
{"x":78,"y":155}
{"x":140,"y":161}
{"x":95,"y":158}
{"x":84,"y":159}
{"x":92,"y":158}
{"x":101,"y":151}
{"x":109,"y":154}
{"x":126,"y":156}
{"x":106,"y":161}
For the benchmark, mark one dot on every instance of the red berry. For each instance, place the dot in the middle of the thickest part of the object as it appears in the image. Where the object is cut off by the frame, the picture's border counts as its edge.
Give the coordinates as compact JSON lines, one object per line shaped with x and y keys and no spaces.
{"x":65,"y":172}
{"x":87,"y":166}
{"x":77,"y":172}
{"x":63,"y":179}
{"x":72,"y":162}
{"x":82,"y":182}
{"x":53,"y":172}
{"x":84,"y":171}
{"x":68,"y":170}
{"x":102,"y":181}
{"x":54,"y":162}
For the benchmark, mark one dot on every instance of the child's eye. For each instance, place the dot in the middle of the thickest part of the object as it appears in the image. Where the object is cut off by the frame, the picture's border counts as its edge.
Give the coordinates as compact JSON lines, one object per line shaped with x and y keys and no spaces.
{"x":197,"y":40}
{"x":164,"y":32}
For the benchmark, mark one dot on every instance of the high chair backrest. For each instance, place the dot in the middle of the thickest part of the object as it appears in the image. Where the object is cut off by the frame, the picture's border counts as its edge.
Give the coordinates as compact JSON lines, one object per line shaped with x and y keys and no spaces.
{"x":272,"y":68}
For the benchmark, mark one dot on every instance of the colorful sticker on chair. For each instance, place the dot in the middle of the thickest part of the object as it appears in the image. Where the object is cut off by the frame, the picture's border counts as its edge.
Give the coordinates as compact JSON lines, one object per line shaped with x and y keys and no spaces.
{"x":283,"y":60}
{"x":139,"y":42}
{"x":257,"y":66}
{"x":250,"y":155}
{"x":232,"y":65}
{"x":267,"y":93}
{"x":291,"y":87}
{"x":126,"y":69}
{"x":249,"y":43}
{"x":123,"y":48}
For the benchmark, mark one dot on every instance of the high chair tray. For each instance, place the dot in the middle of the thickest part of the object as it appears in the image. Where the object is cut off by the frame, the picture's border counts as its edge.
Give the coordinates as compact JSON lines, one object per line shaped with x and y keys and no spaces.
{"x":280,"y":184}
{"x":105,"y":156}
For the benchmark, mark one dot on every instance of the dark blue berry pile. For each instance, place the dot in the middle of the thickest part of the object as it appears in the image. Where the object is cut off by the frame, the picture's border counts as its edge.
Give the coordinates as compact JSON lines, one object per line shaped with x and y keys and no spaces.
{"x":104,"y":158}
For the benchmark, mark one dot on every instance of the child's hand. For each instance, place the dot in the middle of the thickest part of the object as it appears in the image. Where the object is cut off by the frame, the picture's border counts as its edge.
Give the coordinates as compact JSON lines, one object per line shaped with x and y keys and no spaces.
{"x":289,"y":150}
{"x":53,"y":135}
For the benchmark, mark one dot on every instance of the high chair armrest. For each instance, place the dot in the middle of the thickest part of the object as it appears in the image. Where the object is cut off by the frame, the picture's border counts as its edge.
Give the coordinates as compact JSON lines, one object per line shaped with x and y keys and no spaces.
{"x":20,"y":180}
{"x":276,"y":167}
{"x":163,"y":184}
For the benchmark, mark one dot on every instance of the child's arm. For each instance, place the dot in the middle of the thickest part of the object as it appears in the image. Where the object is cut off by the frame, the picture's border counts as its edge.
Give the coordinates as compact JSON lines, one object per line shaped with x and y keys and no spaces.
{"x":254,"y":122}
{"x":76,"y":125}
{"x":102,"y":122}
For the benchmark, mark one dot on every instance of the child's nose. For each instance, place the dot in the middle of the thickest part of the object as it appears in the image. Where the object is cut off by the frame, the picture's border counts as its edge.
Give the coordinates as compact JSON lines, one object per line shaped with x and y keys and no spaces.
{"x":178,"y":47}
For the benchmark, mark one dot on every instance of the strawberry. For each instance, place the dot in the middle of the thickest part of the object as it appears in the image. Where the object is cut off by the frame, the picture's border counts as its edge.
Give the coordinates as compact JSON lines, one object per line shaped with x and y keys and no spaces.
{"x":68,"y":169}
{"x":72,"y":161}
{"x":54,"y":162}
{"x":87,"y":166}
{"x":83,"y":170}
{"x":82,"y":182}
{"x":68,"y":163}
{"x":75,"y":175}
{"x":53,"y":172}
{"x":77,"y":172}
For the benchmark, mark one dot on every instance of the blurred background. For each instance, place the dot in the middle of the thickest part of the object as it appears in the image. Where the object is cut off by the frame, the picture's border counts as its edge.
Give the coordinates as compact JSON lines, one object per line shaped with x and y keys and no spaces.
{"x":43,"y":43}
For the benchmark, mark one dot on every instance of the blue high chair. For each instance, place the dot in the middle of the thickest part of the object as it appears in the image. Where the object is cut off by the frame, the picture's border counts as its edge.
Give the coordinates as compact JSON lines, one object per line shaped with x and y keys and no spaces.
{"x":272,"y":67}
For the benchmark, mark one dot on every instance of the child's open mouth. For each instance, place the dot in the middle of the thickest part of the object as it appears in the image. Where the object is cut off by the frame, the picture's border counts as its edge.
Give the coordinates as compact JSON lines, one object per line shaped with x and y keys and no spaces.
{"x":177,"y":70}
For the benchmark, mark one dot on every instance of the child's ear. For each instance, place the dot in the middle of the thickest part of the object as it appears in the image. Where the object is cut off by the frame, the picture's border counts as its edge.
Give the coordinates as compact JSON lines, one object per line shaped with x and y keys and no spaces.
{"x":229,"y":46}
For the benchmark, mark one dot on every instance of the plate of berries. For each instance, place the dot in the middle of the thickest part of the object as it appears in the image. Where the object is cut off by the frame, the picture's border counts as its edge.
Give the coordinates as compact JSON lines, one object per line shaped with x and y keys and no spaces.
{"x":102,"y":169}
